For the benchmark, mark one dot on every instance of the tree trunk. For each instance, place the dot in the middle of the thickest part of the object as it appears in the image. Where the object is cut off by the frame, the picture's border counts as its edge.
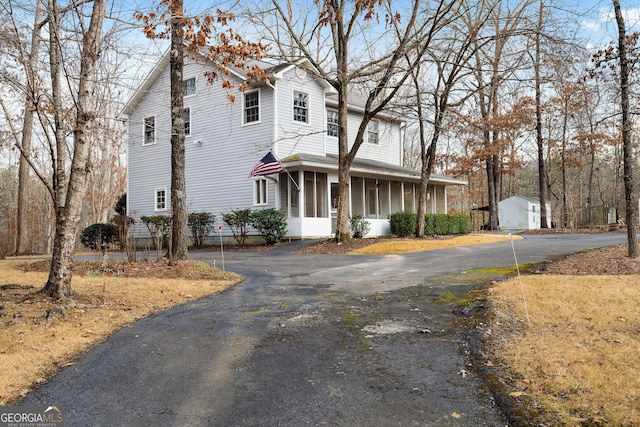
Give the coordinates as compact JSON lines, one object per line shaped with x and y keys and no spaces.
{"x":23,"y":237}
{"x":592,"y":171}
{"x":563,"y":158}
{"x":344,"y":165}
{"x":428,"y":160}
{"x":542,"y":187}
{"x":424,"y":160}
{"x":627,"y":147}
{"x":67,"y":216}
{"x":179,"y":230}
{"x":492,"y":190}
{"x":60,"y":148}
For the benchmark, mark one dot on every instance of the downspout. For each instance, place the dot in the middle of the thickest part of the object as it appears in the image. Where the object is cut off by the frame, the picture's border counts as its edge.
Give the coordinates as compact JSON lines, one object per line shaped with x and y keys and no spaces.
{"x":274,"y":147}
{"x":275,"y":117}
{"x":403,"y":129}
{"x":434,"y":200}
{"x":446,"y":204}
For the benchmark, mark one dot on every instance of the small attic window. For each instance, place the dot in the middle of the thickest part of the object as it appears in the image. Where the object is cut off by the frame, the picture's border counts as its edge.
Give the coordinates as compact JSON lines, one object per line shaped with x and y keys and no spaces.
{"x":189,"y":87}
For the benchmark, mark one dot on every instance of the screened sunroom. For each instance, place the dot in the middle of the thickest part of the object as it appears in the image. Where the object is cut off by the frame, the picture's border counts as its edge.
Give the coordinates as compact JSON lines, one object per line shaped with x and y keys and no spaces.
{"x":308,"y":194}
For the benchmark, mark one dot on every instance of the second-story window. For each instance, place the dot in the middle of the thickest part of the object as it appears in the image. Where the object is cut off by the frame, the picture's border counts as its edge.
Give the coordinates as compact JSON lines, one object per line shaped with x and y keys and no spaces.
{"x":187,"y":121}
{"x":189,"y":87}
{"x":373,"y":129}
{"x":300,"y":107}
{"x":149,"y":130}
{"x":332,"y":123}
{"x":252,"y":107}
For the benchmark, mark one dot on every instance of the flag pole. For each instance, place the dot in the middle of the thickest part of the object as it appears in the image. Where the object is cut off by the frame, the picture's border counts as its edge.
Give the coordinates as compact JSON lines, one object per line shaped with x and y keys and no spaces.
{"x":285,"y":169}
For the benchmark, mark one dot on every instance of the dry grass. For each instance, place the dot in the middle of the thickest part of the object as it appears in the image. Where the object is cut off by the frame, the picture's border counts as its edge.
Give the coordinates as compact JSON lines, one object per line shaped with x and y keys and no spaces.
{"x":401,"y":246}
{"x":38,"y":336}
{"x":579,"y":359}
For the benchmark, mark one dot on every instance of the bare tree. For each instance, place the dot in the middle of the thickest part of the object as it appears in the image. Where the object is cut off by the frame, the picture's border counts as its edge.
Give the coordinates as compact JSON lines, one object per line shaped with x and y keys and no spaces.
{"x":491,"y":71}
{"x":336,"y":40}
{"x":24,"y":85}
{"x":69,"y":195}
{"x":630,"y":199}
{"x":450,"y":57}
{"x":542,"y":184}
{"x":23,"y":239}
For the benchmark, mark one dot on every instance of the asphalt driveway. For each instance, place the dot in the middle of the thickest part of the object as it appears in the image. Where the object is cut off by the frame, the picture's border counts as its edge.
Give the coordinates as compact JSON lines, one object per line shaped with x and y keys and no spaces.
{"x":305,"y":340}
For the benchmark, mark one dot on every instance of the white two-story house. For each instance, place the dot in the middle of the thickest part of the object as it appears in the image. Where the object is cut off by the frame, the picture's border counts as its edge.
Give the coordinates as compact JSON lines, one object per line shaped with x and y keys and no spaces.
{"x":293,"y":114}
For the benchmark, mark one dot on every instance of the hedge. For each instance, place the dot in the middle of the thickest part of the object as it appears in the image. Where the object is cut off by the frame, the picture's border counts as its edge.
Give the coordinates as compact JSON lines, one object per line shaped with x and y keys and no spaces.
{"x":447,"y":224}
{"x":404,"y":224}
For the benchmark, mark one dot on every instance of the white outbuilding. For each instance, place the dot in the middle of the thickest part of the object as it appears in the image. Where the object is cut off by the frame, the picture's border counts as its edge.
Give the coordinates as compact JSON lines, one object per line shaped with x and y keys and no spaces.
{"x":521,"y":213}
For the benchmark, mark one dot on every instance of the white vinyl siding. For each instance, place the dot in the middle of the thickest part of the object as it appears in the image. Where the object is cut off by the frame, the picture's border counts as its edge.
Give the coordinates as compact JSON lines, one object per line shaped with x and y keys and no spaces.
{"x":216,"y":170}
{"x":288,"y":132}
{"x":389,"y":147}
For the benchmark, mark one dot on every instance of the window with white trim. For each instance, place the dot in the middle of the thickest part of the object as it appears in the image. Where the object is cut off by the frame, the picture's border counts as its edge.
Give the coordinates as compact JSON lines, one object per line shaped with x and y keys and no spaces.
{"x":332,"y":123}
{"x":300,"y":107}
{"x":251,"y":107}
{"x":187,"y":120}
{"x":161,"y":199}
{"x":373,"y":129}
{"x":189,"y":87}
{"x":149,"y":130}
{"x":260,"y":192}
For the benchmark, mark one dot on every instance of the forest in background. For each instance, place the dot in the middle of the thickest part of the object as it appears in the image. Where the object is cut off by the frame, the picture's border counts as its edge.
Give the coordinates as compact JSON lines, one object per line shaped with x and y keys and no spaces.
{"x":476,"y":84}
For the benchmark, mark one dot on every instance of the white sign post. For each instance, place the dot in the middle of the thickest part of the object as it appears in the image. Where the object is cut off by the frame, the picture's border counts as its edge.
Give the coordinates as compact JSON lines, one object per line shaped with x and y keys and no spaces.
{"x":221,"y":247}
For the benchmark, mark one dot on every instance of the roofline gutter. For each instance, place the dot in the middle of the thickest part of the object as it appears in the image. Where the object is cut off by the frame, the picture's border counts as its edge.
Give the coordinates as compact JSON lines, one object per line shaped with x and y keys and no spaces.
{"x":310,"y":164}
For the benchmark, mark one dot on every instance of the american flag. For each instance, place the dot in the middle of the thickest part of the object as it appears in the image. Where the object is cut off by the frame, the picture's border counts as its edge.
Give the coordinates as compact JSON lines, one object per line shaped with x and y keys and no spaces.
{"x":268,"y":165}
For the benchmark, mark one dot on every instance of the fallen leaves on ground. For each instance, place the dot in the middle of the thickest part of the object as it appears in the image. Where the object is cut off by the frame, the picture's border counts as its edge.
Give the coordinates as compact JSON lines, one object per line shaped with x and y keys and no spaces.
{"x":39,"y":335}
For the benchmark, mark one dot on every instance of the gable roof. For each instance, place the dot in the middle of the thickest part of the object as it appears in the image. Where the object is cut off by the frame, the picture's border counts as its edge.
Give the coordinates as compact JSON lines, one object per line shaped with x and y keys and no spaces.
{"x":146,"y":84}
{"x":162,"y":64}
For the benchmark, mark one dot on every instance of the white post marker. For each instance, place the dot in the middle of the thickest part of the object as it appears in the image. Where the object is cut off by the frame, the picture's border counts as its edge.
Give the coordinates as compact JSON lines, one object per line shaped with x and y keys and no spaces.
{"x":221,"y":247}
{"x":524,"y":300}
